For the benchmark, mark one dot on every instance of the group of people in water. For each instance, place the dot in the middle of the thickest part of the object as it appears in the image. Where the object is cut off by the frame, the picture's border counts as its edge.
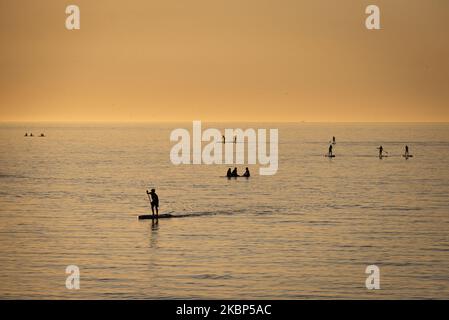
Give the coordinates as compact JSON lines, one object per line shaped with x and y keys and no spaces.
{"x":234,"y":173}
{"x":31,"y":135}
{"x":381,"y":150}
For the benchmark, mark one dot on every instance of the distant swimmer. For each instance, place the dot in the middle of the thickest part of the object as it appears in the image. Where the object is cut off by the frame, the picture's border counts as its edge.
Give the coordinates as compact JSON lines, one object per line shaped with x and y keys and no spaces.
{"x":42,"y":135}
{"x":246,"y":174}
{"x":330,"y":154}
{"x":154,"y":200}
{"x":234,"y":173}
{"x":31,"y":134}
{"x":229,"y":173}
{"x":26,"y":134}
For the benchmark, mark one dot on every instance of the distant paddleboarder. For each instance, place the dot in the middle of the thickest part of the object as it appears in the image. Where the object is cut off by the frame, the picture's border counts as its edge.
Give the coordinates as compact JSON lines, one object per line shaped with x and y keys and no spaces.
{"x":333,"y":140}
{"x":330,"y":154}
{"x":154,"y":200}
{"x":381,"y":150}
{"x":406,"y":151}
{"x":235,"y":139}
{"x":223,"y":138}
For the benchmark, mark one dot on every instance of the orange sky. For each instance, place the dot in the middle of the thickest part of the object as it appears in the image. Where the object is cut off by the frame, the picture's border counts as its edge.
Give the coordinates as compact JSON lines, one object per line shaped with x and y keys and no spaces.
{"x":233,"y":60}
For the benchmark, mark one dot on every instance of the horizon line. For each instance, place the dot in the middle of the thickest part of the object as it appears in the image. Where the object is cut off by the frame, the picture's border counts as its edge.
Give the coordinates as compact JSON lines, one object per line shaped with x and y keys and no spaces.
{"x":210,"y":121}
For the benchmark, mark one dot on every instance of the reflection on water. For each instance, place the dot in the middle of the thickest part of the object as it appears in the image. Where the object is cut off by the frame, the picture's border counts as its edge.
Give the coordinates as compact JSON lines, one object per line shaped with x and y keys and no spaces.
{"x":73,"y":197}
{"x":154,"y":230}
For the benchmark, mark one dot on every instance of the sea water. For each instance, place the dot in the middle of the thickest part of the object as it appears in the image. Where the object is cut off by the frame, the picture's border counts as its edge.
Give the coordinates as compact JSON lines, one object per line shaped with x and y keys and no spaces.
{"x":309,"y":231}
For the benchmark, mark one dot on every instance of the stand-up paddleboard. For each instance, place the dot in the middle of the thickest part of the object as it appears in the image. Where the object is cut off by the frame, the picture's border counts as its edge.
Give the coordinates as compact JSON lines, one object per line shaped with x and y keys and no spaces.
{"x":329,"y":156}
{"x":151,"y":217}
{"x":406,"y":156}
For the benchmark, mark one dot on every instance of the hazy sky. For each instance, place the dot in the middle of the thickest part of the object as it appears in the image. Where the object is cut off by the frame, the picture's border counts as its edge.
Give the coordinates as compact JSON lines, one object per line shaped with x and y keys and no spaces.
{"x":212,"y":60}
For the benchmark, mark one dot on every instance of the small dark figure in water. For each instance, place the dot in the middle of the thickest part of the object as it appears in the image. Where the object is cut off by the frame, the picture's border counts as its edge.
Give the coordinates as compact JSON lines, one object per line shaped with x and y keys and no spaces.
{"x":381,"y":150}
{"x":26,"y":134}
{"x":31,"y":134}
{"x":154,"y":201}
{"x":333,"y":140}
{"x":330,"y":151}
{"x":229,"y":173}
{"x":246,"y":174}
{"x":235,"y":139}
{"x":234,"y":173}
{"x":406,"y":151}
{"x":42,"y":135}
{"x":223,"y":138}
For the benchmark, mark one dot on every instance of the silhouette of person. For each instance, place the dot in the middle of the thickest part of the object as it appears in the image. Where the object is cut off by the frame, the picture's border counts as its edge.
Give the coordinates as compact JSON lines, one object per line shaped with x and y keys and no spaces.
{"x":234,"y":173}
{"x":235,"y":139}
{"x":224,"y":139}
{"x":406,"y":151}
{"x":26,"y":134}
{"x":381,"y":150}
{"x":31,"y":134}
{"x":42,"y":135}
{"x":246,"y":174}
{"x":154,"y":201}
{"x":330,"y":151}
{"x":333,"y":139}
{"x":229,"y":173}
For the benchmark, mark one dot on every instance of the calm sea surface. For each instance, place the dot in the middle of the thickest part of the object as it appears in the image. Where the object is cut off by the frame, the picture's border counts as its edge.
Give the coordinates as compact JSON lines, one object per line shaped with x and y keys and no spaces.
{"x":73,"y":197}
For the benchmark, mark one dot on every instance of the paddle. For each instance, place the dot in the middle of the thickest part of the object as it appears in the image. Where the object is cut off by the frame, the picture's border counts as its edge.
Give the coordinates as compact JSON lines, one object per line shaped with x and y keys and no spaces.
{"x":149,"y":198}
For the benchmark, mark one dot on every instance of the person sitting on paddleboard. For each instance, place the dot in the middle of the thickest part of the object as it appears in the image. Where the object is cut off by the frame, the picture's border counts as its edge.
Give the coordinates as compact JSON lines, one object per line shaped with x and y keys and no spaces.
{"x":246,"y":174}
{"x":330,"y":151}
{"x":229,"y":173}
{"x":154,"y":201}
{"x":234,"y":173}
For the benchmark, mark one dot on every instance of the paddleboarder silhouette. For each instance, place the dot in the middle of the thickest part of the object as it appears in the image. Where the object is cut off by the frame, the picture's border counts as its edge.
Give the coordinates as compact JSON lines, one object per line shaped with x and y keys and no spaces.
{"x":154,"y":201}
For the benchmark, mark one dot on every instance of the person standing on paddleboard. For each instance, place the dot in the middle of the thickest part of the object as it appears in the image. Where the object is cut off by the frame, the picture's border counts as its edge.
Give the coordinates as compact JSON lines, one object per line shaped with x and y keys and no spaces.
{"x":406,"y":151}
{"x":154,"y":201}
{"x":330,"y":151}
{"x":381,"y":150}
